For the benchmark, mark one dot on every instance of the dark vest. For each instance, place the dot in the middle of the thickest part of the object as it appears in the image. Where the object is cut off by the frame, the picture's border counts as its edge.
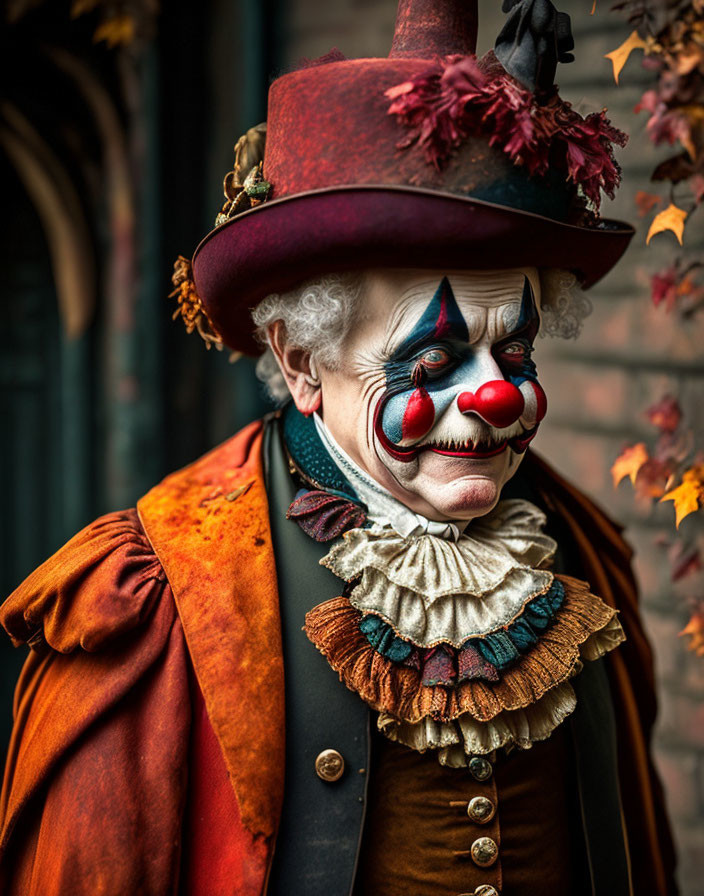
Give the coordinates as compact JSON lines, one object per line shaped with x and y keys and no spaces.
{"x":322,"y":848}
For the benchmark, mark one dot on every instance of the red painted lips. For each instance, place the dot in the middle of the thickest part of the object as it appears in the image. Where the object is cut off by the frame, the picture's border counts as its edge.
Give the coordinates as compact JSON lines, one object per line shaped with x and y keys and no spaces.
{"x":467,"y":452}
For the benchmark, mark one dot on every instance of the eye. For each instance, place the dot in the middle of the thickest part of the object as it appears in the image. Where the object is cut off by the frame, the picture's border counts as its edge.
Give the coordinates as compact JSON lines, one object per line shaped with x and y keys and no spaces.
{"x":434,"y":359}
{"x":514,"y":351}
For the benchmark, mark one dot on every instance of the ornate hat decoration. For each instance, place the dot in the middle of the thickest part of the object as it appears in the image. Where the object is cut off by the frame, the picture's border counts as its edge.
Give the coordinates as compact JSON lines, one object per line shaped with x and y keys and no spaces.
{"x":429,"y":158}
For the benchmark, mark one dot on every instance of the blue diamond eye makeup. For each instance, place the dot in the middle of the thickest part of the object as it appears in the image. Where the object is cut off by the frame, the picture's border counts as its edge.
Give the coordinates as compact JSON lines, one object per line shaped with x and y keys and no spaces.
{"x":438,"y":368}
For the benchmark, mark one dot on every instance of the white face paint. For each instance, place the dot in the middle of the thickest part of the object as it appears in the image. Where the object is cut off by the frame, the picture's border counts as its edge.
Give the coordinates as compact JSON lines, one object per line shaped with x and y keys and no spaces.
{"x":437,"y":397}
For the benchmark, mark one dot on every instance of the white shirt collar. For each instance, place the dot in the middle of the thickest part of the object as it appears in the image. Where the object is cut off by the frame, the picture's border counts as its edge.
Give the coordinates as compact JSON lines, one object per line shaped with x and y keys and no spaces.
{"x":382,"y":508}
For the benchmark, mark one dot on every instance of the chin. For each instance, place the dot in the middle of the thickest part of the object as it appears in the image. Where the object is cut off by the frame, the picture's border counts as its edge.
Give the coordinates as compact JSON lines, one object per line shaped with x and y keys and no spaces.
{"x":452,"y":487}
{"x":464,"y":498}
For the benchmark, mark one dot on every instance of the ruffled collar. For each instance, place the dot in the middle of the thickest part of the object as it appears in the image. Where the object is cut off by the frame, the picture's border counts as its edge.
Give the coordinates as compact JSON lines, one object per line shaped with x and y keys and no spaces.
{"x":463,"y":640}
{"x":431,"y":590}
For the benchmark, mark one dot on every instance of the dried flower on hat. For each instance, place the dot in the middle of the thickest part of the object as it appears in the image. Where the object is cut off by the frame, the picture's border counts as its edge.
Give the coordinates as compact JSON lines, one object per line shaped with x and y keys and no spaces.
{"x":244,"y":187}
{"x":190,"y":307}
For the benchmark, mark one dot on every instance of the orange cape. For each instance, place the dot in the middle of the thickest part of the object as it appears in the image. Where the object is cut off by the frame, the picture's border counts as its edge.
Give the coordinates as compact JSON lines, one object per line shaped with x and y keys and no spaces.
{"x":95,"y":786}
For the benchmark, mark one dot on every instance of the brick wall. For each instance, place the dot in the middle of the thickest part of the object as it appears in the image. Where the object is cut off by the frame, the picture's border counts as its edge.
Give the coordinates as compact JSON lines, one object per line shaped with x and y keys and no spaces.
{"x":627,"y":356}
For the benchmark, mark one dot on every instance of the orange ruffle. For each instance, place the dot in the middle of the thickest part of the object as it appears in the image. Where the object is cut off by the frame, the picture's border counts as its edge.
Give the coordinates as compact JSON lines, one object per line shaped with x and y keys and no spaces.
{"x":388,"y":687}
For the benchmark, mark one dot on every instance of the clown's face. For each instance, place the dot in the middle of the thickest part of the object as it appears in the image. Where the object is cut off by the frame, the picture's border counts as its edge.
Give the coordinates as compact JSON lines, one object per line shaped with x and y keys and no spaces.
{"x":437,"y":397}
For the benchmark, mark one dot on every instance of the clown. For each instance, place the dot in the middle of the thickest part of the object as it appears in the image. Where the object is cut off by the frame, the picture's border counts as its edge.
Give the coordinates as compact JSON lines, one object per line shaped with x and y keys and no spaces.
{"x":372,"y":645}
{"x":441,"y":373}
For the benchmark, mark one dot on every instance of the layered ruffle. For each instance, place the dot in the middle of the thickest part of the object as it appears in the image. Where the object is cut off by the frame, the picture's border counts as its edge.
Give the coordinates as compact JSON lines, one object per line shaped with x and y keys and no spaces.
{"x":490,"y":548}
{"x":463,"y":647}
{"x":452,"y":618}
{"x":432,"y":591}
{"x":481,"y":657}
{"x":584,"y":627}
{"x":464,"y":737}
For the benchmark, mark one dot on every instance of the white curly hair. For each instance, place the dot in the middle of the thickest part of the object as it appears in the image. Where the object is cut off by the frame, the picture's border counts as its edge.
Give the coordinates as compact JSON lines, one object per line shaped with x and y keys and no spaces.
{"x":319,"y":313}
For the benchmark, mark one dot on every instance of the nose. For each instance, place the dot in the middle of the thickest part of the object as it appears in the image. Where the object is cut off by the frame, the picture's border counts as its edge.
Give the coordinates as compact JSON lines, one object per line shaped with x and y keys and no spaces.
{"x":497,"y":402}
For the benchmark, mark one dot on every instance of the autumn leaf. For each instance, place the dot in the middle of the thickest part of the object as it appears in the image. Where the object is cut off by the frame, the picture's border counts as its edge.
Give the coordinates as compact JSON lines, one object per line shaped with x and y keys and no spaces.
{"x":695,"y":631}
{"x":652,"y":478}
{"x":675,"y":287}
{"x":688,"y":495}
{"x":646,"y":202}
{"x":620,"y":55}
{"x":689,"y":59}
{"x":675,"y":169}
{"x":629,"y":462}
{"x":80,"y":7}
{"x":663,"y":287}
{"x":674,"y":447}
{"x":116,"y":31}
{"x":672,"y":218}
{"x":697,"y":185}
{"x":684,"y":561}
{"x":665,"y":414}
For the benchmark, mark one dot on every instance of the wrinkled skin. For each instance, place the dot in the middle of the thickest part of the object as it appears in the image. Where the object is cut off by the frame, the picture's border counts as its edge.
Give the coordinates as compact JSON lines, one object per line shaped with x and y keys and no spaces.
{"x":437,"y":396}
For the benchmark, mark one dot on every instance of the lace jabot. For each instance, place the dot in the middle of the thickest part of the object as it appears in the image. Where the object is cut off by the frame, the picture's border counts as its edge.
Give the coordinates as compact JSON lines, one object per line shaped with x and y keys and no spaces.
{"x":458,"y":634}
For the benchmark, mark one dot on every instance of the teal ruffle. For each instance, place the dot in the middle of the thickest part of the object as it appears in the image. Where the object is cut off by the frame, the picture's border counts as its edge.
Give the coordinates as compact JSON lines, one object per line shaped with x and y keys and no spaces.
{"x":384,"y":640}
{"x":501,"y":648}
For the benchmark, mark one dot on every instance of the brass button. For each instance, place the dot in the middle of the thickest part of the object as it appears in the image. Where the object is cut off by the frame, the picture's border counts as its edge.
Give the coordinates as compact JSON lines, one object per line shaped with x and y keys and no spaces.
{"x":483,"y":890}
{"x":481,"y":810}
{"x":484,"y":852}
{"x":480,"y":768}
{"x":329,"y":766}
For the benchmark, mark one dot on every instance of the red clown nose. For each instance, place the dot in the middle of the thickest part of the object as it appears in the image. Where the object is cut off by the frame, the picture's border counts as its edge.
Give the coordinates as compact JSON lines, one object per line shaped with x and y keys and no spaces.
{"x":498,"y":402}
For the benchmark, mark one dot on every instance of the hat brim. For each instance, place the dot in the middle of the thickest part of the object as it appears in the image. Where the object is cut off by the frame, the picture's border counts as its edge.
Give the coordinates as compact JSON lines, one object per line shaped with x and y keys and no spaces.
{"x":282,"y":242}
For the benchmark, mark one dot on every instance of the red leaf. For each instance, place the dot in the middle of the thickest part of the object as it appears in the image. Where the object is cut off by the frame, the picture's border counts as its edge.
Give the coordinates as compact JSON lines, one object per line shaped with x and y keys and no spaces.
{"x":652,"y":478}
{"x":684,"y":562}
{"x":646,"y":202}
{"x":663,"y":288}
{"x":698,"y":188}
{"x":666,"y":414}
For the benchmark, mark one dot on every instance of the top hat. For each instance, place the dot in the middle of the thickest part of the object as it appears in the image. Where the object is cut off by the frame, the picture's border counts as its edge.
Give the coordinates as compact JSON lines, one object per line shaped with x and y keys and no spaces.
{"x":429,"y":158}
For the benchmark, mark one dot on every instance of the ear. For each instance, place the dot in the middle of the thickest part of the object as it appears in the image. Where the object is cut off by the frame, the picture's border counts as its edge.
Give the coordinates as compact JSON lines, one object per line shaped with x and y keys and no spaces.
{"x":298,"y":369}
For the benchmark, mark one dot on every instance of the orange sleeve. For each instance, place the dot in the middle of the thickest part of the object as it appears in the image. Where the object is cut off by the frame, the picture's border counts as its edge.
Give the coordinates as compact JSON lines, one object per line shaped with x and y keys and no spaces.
{"x":95,"y":782}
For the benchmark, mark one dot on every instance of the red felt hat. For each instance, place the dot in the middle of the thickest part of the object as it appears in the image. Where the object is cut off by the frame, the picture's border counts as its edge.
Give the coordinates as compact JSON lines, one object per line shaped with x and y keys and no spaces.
{"x":430,"y":158}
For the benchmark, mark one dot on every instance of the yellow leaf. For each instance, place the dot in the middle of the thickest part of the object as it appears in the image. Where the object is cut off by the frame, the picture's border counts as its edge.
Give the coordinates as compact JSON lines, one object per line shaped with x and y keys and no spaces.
{"x":80,"y":7}
{"x":672,"y":218}
{"x":620,"y":55}
{"x":688,"y":495}
{"x":629,"y":462}
{"x":116,"y":31}
{"x":695,"y":630}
